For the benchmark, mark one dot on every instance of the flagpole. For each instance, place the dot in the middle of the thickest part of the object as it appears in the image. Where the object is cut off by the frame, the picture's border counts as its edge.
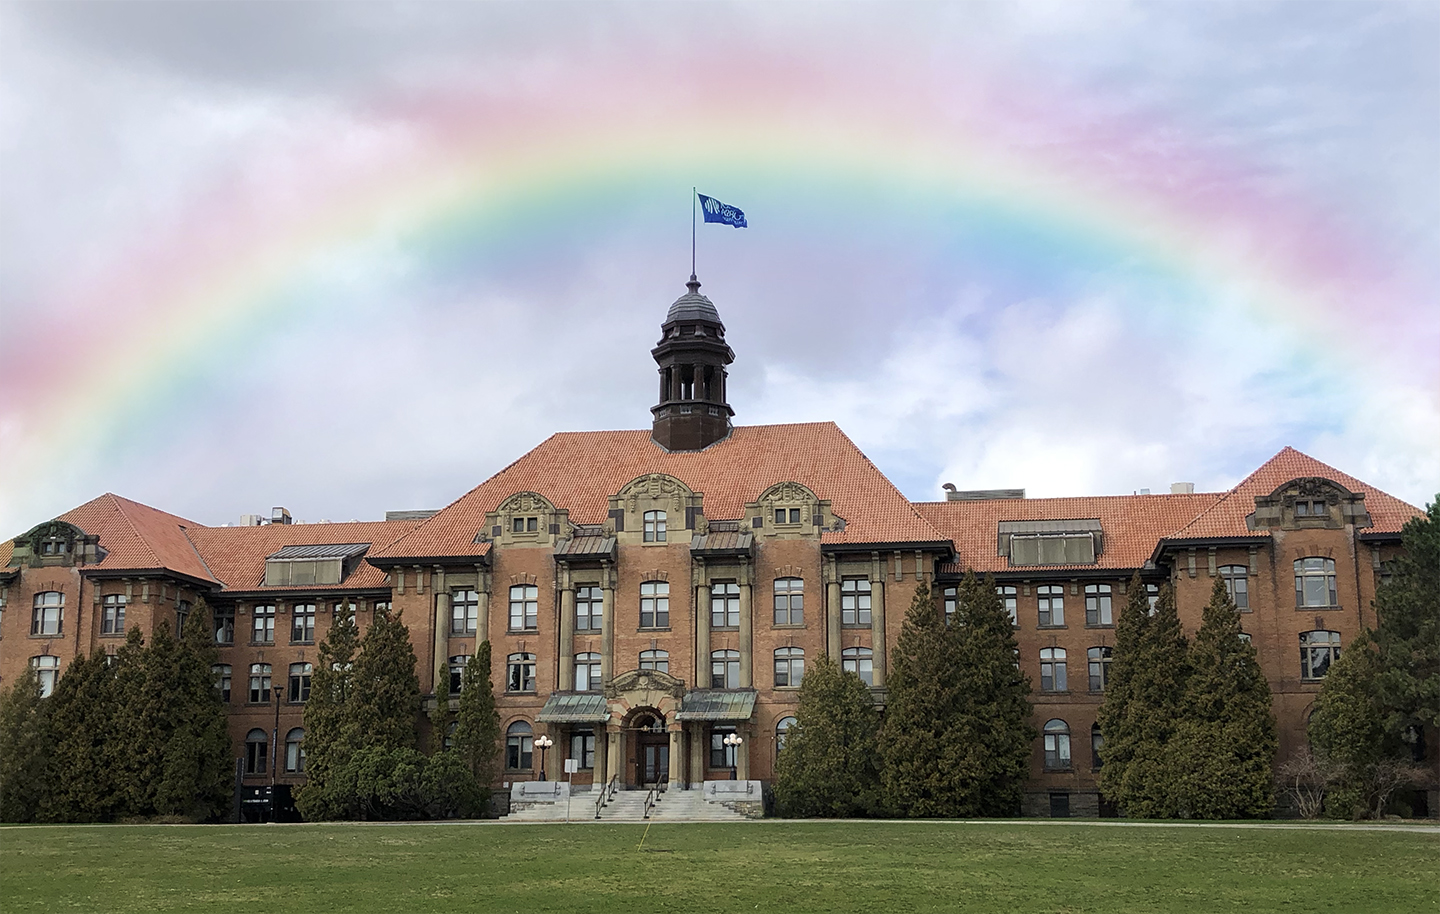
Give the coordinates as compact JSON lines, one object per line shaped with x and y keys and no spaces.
{"x":692,"y":232}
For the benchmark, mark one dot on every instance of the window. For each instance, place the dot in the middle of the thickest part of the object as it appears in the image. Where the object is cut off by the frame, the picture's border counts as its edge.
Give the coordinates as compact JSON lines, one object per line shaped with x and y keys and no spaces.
{"x":1008,"y":597}
{"x":54,"y":547}
{"x":654,"y":522}
{"x":525,"y":525}
{"x":1097,"y":605}
{"x":182,"y":612}
{"x":113,"y":621}
{"x":449,"y":741}
{"x":302,"y":623}
{"x":1052,"y":670}
{"x":655,"y":604}
{"x":587,"y":672}
{"x":263,"y":630}
{"x":789,"y":667}
{"x":464,"y":612}
{"x":457,"y":673}
{"x":1237,"y":585}
{"x":789,"y":601}
{"x":520,"y":673}
{"x":1311,"y":508}
{"x":724,"y":669}
{"x":1052,"y":604}
{"x":860,"y":661}
{"x":1315,"y":582}
{"x":950,"y":600}
{"x":655,"y":660}
{"x":1057,"y":745}
{"x":524,"y":607}
{"x":787,"y":515}
{"x":49,"y":615}
{"x":295,"y":751}
{"x":855,"y":601}
{"x":1152,"y":596}
{"x":582,"y":748}
{"x":519,"y":747}
{"x":725,"y":604}
{"x":47,"y":671}
{"x":259,"y":683}
{"x":589,"y":609}
{"x":1056,"y":549}
{"x":221,"y":672}
{"x":300,"y":681}
{"x":721,"y":755}
{"x":1097,"y":742}
{"x":1099,"y":658}
{"x":1318,"y":649}
{"x":257,"y":748}
{"x":782,"y":731}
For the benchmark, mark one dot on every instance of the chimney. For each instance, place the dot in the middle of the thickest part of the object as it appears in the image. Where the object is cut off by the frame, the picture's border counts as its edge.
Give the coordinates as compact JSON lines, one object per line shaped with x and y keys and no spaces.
{"x":1182,"y":488}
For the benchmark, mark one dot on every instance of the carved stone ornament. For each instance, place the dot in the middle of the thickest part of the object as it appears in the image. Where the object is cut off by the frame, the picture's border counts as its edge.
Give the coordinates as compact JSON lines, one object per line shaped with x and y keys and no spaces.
{"x":656,"y":487}
{"x":788,"y":493}
{"x":645,"y":681}
{"x":51,"y":530}
{"x":525,"y":502}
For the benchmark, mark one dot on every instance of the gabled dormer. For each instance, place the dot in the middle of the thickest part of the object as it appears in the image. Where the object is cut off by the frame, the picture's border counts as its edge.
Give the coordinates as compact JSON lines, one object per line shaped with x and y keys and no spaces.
{"x":1309,"y":503}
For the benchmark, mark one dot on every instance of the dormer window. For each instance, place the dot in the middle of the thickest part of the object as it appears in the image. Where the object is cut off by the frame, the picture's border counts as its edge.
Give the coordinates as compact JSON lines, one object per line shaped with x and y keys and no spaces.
{"x":525,"y":525}
{"x":1050,"y":542}
{"x":787,"y":516}
{"x":654,"y":526}
{"x":54,"y":547}
{"x":1310,"y":509}
{"x":303,"y":566}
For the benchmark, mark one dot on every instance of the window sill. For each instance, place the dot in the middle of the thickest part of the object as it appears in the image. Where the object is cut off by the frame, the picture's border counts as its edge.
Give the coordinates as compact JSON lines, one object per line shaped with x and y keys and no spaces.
{"x":1054,"y":691}
{"x":1100,"y":625}
{"x":724,"y":628}
{"x":120,"y":635}
{"x":648,"y":629}
{"x":462,"y":634}
{"x":859,"y":626}
{"x":52,"y":635}
{"x":1306,"y":609}
{"x":794,"y":688}
{"x":522,"y":631}
{"x":1047,"y":628}
{"x":311,"y":642}
{"x":1059,"y":770}
{"x":531,"y":692}
{"x":588,"y":631}
{"x":788,"y":625}
{"x":262,"y":643}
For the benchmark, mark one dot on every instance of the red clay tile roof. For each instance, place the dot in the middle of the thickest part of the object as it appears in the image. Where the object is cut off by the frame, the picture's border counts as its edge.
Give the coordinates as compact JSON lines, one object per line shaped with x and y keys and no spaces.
{"x":580,"y":470}
{"x":1226,"y":518}
{"x":237,"y":554}
{"x":1131,"y":524}
{"x":137,"y":536}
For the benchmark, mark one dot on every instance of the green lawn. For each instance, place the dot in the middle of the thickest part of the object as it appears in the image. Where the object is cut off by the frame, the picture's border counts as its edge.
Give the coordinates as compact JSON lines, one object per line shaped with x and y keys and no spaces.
{"x":768,"y":866}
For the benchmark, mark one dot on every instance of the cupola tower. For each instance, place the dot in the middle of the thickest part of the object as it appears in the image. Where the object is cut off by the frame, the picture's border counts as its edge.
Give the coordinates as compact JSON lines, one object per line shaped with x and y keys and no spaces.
{"x":692,"y":354}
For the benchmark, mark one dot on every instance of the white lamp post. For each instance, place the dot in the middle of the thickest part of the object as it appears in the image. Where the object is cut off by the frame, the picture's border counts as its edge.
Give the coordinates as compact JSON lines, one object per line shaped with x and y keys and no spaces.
{"x":733,"y":741}
{"x":543,"y":742}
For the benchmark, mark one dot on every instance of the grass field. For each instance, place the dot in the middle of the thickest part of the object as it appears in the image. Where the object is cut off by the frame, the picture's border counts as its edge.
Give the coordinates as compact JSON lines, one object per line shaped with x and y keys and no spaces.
{"x":768,"y":866}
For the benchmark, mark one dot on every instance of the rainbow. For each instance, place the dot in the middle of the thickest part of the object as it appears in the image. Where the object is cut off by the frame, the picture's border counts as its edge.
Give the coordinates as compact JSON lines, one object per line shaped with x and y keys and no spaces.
{"x":819,"y":154}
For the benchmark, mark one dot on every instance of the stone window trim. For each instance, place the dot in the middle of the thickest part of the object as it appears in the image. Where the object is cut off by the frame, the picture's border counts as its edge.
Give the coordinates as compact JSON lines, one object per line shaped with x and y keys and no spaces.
{"x":1056,"y":741}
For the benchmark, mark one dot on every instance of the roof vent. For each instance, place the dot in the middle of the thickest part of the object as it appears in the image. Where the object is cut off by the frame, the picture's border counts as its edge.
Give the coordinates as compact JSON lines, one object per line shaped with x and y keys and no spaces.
{"x":980,"y":494}
{"x":411,"y":515}
{"x":1143,"y":492}
{"x":280,"y":516}
{"x":1182,"y":488}
{"x":252,"y":520}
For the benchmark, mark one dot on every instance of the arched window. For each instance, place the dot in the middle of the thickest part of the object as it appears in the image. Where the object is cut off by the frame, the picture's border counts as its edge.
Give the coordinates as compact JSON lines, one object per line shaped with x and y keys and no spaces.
{"x":1052,"y":670}
{"x":112,"y":622}
{"x":221,"y":672}
{"x":457,"y":672}
{"x":1009,"y":597}
{"x":782,"y":730}
{"x":1057,"y":745}
{"x":861,"y":662}
{"x":300,"y":681}
{"x":655,"y":604}
{"x":1097,"y":605}
{"x":259,"y":683}
{"x":1097,"y":742}
{"x":524,"y":607}
{"x":1315,"y":582}
{"x":520,"y":673}
{"x":519,"y":747}
{"x":49,"y":615}
{"x":724,"y":669}
{"x":655,"y":660}
{"x":724,"y":604}
{"x":789,"y":601}
{"x":47,"y":671}
{"x":789,"y":666}
{"x":654,"y":525}
{"x":302,"y":623}
{"x":1152,"y":596}
{"x":1051,"y":600}
{"x":1318,"y":649}
{"x":295,"y":751}
{"x":587,"y":672}
{"x":1099,"y":658}
{"x":1237,"y":585}
{"x":257,"y":751}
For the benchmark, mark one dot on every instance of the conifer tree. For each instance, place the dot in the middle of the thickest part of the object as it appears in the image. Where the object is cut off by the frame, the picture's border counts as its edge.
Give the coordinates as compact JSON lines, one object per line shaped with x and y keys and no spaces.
{"x":477,"y":730}
{"x":330,"y":730}
{"x":80,"y":783}
{"x":830,"y":767}
{"x":23,"y":748}
{"x":1121,"y":736}
{"x":385,"y":701}
{"x":1222,"y":756}
{"x":1408,"y":631}
{"x":920,"y":713}
{"x":1348,"y":729}
{"x":136,"y":759}
{"x":196,"y":778}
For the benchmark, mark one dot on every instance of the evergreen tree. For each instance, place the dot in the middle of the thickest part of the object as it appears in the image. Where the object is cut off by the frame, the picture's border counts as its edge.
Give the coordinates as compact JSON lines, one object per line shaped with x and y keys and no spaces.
{"x":1143,"y":705}
{"x":330,"y":731}
{"x":23,"y":748}
{"x":920,"y":713}
{"x":196,"y":778}
{"x":385,"y":701}
{"x":139,"y":710}
{"x":989,"y":745}
{"x":830,"y":763}
{"x":477,"y":730}
{"x":1348,"y":729}
{"x":1408,"y":630}
{"x":80,"y":783}
{"x":1222,"y":756}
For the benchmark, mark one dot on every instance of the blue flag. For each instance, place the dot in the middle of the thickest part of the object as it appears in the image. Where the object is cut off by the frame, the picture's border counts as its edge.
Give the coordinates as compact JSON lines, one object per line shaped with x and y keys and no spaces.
{"x":715,"y":211}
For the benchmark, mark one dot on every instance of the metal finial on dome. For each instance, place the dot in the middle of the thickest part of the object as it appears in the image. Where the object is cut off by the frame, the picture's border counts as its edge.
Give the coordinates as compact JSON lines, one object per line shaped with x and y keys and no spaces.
{"x":693,"y":285}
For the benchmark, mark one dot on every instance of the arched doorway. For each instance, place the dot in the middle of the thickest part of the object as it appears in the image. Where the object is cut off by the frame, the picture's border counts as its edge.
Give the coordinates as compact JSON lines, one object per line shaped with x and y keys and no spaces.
{"x":652,"y":748}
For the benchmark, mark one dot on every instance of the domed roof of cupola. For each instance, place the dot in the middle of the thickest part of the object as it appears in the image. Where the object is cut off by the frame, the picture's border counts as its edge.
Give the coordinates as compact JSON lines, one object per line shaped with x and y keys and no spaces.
{"x":693,"y":306}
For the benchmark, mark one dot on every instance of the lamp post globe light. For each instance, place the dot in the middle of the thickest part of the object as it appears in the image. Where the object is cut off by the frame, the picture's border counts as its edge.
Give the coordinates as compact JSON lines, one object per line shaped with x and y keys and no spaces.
{"x":543,"y":742}
{"x":733,"y":741}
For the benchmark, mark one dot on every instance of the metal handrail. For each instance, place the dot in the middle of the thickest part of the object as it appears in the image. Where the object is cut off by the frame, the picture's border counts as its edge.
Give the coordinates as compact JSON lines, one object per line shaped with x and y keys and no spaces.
{"x":605,"y":792}
{"x":652,"y":799}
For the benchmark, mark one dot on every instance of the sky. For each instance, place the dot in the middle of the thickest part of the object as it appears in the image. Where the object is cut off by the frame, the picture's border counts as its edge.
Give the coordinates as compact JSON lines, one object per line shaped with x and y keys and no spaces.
{"x":350,"y":258}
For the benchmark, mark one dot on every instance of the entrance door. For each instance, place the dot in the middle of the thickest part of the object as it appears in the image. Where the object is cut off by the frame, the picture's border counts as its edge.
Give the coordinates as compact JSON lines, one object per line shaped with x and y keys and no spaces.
{"x":654,"y":763}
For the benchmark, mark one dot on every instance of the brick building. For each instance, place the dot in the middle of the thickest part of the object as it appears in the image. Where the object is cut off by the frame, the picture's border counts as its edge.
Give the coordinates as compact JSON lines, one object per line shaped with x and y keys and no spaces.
{"x":649,"y":593}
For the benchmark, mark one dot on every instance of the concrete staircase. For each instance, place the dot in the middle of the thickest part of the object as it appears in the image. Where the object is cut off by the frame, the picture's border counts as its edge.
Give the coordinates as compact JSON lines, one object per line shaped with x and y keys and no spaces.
{"x":629,"y":806}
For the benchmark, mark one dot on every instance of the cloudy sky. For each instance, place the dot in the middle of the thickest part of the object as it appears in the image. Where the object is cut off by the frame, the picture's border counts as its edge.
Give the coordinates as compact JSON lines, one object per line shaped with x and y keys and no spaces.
{"x":357,"y":257}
